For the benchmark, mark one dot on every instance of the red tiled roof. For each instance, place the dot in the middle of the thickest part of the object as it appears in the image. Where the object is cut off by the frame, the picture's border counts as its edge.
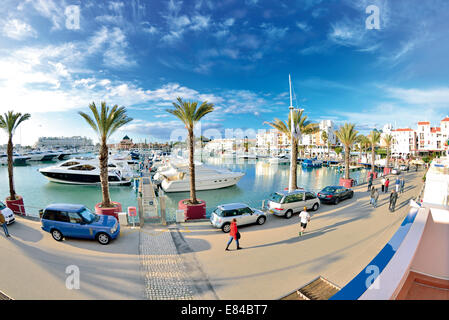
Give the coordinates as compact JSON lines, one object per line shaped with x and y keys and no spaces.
{"x":433,"y":130}
{"x":423,"y":123}
{"x":445,"y":119}
{"x":406,"y":129}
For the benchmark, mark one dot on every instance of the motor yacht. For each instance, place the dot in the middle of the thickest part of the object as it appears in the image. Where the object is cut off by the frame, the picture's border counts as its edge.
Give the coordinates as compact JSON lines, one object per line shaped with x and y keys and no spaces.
{"x":17,"y":159}
{"x":176,"y":178}
{"x":280,"y":159}
{"x":86,"y":171}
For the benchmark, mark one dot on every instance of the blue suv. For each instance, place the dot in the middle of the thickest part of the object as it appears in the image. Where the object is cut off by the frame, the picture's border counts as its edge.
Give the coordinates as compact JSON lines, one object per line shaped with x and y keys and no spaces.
{"x":76,"y":221}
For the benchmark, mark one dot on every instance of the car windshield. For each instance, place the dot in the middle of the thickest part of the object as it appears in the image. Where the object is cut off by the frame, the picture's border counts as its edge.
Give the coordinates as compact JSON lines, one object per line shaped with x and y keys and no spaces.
{"x":329,"y":189}
{"x":88,"y":216}
{"x":218,"y":212}
{"x":2,"y":205}
{"x":276,"y":197}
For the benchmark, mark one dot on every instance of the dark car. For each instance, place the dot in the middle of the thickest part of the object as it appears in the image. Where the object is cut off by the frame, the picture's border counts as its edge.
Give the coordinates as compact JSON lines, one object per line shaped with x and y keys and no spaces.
{"x":334,"y":194}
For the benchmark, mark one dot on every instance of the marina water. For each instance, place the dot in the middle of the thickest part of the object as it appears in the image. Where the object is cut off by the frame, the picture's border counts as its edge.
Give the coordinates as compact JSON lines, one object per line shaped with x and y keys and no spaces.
{"x":260,"y":180}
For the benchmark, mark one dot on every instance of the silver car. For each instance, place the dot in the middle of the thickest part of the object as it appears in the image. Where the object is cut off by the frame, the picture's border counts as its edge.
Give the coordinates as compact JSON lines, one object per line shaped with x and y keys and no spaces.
{"x":222,"y":216}
{"x":285,"y":203}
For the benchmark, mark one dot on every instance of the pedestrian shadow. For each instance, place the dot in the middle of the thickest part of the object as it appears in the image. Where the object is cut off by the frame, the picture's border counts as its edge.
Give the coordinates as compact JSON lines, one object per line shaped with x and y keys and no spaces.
{"x":308,"y":234}
{"x":23,"y":232}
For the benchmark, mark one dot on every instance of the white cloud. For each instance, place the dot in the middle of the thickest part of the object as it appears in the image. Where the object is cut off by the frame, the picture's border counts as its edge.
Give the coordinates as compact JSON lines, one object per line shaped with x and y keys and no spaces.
{"x":437,"y":97}
{"x":18,"y":30}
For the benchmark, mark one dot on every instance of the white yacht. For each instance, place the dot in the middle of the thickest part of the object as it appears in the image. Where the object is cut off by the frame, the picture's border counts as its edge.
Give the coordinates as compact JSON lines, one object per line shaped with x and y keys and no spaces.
{"x":42,"y":156}
{"x":176,"y":177}
{"x":280,"y":159}
{"x":86,"y":171}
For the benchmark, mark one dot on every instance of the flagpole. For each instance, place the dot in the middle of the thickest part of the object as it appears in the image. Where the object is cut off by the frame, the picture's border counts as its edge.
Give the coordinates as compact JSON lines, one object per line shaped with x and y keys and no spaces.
{"x":292,"y":138}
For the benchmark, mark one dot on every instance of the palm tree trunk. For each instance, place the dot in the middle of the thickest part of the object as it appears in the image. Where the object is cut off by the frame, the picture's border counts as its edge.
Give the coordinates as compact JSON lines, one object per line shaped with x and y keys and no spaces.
{"x":104,"y":174}
{"x":347,"y":154}
{"x":388,"y":158}
{"x":372,"y":159}
{"x":294,"y":166}
{"x":193,"y":199}
{"x":12,"y":192}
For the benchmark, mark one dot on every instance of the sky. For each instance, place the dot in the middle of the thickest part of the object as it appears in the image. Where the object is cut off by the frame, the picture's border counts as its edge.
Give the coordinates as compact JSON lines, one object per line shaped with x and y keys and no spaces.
{"x":236,"y":54}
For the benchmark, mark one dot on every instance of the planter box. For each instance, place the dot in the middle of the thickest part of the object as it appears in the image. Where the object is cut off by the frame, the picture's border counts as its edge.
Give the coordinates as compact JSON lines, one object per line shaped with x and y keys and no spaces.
{"x":114,"y":211}
{"x":347,"y":183}
{"x":16,"y":206}
{"x":192,"y":212}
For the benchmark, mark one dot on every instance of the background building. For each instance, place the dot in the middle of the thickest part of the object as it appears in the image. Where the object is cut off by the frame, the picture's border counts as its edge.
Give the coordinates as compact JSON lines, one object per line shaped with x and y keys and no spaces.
{"x":63,"y":142}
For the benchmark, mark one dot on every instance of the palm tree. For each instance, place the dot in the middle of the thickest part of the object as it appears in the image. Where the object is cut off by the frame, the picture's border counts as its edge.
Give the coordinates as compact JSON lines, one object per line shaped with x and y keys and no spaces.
{"x":348,"y":136}
{"x":374,"y":139}
{"x":304,"y":127}
{"x":326,"y":141}
{"x":363,"y":143}
{"x":105,"y":122}
{"x":189,"y":113}
{"x":388,"y":140}
{"x":9,"y":122}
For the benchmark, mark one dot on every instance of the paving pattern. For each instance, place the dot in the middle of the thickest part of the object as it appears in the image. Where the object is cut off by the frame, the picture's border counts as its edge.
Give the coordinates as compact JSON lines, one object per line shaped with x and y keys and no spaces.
{"x":166,"y":277}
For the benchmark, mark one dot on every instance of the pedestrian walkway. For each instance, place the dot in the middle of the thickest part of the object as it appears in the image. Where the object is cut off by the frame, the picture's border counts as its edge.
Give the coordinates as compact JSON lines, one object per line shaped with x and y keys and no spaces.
{"x":165,"y":273}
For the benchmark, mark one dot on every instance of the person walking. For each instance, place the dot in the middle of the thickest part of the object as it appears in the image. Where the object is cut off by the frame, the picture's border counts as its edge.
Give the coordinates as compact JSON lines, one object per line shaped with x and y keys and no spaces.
{"x":393,"y":199}
{"x":304,"y":217}
{"x":3,"y":223}
{"x":387,"y":183}
{"x":398,"y":184}
{"x":402,"y":185}
{"x":375,"y":198}
{"x":234,"y":235}
{"x":370,"y":182}
{"x":383,"y":183}
{"x":371,"y":196}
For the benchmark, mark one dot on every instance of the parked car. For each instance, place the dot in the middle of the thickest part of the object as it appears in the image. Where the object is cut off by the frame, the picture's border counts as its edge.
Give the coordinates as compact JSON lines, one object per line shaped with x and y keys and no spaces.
{"x":403,"y":167}
{"x":334,"y":194}
{"x":285,"y":203}
{"x":76,"y":221}
{"x":396,"y":171}
{"x":222,"y":216}
{"x":7,"y":213}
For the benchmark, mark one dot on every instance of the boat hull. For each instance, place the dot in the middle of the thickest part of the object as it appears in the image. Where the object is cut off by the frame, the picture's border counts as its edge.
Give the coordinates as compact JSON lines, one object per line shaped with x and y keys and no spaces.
{"x":200,"y":185}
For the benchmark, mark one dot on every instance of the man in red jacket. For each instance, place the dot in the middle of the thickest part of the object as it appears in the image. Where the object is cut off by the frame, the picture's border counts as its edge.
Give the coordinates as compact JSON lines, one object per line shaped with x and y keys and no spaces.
{"x":234,"y":233}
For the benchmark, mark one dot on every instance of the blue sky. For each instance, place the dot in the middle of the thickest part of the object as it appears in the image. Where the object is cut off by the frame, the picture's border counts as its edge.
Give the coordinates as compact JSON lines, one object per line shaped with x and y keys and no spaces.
{"x":236,"y":54}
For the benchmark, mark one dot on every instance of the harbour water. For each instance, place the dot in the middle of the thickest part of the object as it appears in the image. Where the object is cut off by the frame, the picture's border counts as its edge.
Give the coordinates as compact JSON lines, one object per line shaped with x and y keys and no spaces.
{"x":260,"y":180}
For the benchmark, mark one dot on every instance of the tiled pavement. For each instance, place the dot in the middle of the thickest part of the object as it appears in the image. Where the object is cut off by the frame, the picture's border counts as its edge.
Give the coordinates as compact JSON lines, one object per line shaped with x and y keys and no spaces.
{"x":165,"y":272}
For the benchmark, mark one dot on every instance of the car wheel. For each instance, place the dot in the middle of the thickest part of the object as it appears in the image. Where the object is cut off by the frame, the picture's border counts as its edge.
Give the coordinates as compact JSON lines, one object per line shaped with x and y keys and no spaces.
{"x":103,"y":238}
{"x":288,"y":214}
{"x":57,"y":235}
{"x":226,"y":228}
{"x":261,"y":220}
{"x":315,"y":207}
{"x":351,"y":195}
{"x":337,"y":200}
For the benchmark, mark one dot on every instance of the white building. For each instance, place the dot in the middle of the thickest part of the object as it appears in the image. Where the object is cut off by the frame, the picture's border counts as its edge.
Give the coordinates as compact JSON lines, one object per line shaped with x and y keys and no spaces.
{"x":218,"y":145}
{"x":63,"y":142}
{"x":404,"y":142}
{"x":272,"y":140}
{"x":432,"y":139}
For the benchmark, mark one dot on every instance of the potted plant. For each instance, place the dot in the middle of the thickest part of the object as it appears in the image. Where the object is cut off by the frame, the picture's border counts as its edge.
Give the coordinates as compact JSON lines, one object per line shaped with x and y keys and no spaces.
{"x":106,"y":121}
{"x":189,"y":113}
{"x":9,"y":122}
